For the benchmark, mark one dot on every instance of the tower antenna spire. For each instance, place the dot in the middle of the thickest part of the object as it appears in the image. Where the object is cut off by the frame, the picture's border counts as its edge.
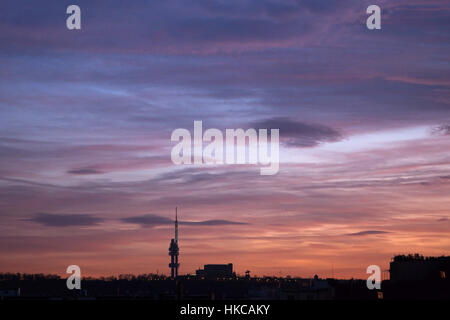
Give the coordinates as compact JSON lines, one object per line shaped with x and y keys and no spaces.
{"x":176,"y":224}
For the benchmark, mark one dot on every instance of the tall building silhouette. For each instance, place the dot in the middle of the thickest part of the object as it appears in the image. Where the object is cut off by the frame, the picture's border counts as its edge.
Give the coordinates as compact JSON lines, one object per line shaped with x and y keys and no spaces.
{"x":174,"y":250}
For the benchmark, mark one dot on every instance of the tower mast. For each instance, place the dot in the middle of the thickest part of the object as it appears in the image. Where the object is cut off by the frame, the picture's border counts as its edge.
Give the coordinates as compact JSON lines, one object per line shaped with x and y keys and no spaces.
{"x":176,"y":225}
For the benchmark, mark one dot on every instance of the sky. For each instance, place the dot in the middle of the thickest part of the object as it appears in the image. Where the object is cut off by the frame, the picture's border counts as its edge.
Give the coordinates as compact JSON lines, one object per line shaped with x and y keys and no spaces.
{"x":86,"y":176}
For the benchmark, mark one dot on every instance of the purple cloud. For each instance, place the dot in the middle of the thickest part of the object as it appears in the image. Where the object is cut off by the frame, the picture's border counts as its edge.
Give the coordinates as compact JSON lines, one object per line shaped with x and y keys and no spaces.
{"x":84,"y":171}
{"x":300,"y":134}
{"x":65,"y":220}
{"x":149,"y":220}
{"x":368,"y":232}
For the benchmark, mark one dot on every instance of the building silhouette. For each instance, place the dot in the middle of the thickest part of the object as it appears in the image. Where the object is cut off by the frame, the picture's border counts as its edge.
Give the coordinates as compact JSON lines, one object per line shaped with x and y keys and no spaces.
{"x":216,"y":271}
{"x":410,"y":268}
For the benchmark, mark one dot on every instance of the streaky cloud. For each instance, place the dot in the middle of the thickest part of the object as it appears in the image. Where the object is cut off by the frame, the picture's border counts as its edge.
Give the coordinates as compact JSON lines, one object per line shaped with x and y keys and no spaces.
{"x":84,"y":171}
{"x":151,"y":220}
{"x":300,"y":134}
{"x":65,"y":220}
{"x":368,"y":232}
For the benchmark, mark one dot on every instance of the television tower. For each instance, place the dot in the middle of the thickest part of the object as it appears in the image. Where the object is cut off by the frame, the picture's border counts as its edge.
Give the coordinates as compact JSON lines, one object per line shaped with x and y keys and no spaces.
{"x":174,"y":250}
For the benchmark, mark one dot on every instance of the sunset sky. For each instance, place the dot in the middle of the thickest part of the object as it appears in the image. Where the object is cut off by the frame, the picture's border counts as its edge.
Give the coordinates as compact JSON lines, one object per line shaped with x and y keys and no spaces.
{"x":86,"y":117}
